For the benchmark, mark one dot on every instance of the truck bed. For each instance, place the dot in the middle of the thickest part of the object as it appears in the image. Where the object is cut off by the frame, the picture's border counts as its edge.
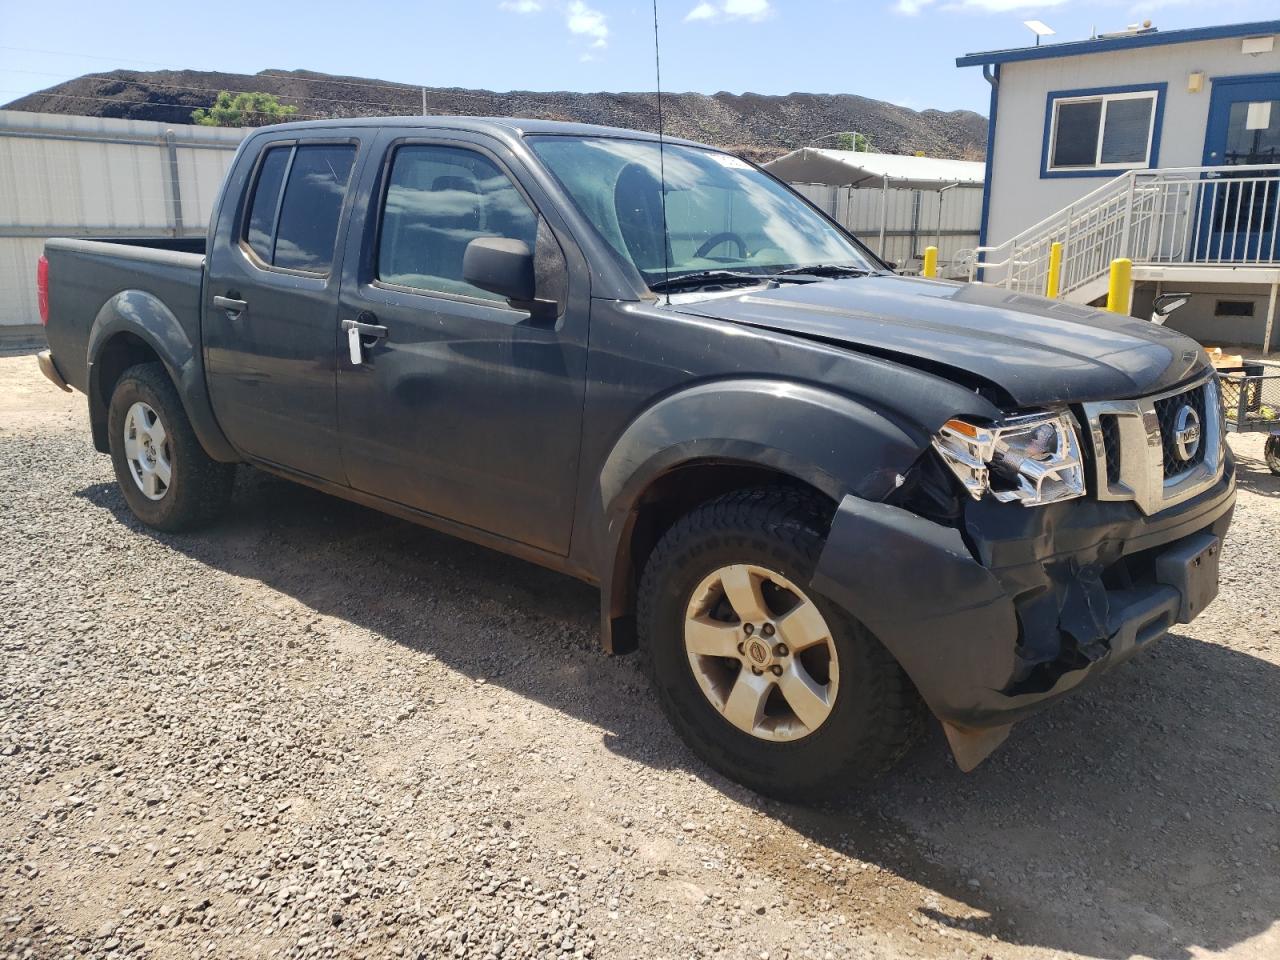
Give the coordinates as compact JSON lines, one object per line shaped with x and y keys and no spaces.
{"x":86,"y":275}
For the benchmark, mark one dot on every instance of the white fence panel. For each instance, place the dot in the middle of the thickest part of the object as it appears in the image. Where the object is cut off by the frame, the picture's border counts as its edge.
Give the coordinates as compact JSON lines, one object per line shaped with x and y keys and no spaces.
{"x":911,"y":220}
{"x":98,"y":177}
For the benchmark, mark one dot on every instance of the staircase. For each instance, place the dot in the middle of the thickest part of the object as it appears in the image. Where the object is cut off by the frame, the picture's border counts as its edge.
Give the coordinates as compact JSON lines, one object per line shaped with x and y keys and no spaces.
{"x":1223,"y":219}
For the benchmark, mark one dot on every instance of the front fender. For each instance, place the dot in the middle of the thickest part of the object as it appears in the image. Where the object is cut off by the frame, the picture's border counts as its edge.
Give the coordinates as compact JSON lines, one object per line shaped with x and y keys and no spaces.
{"x":822,"y":438}
{"x":146,"y":317}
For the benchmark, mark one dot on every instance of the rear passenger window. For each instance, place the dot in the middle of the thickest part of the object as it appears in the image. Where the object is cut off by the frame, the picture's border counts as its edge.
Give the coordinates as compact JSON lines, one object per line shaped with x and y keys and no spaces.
{"x":438,"y":200}
{"x":266,"y":198}
{"x":299,"y":231}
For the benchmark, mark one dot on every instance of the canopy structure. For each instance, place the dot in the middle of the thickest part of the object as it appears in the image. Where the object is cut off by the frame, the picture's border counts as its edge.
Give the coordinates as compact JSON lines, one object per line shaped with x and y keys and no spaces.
{"x":899,"y":200}
{"x":845,"y":168}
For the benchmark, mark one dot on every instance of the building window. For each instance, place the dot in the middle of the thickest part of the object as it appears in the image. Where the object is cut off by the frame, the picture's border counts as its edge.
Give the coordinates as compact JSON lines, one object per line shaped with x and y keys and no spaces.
{"x":1101,"y":131}
{"x":1233,"y":308}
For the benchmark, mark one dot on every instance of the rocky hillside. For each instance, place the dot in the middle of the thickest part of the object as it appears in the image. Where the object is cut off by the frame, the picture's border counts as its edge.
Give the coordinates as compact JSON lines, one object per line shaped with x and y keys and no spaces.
{"x":758,"y":126}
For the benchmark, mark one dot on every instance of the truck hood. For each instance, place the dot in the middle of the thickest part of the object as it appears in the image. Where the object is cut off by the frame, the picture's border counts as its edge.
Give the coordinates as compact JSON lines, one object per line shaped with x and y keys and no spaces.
{"x":1037,"y":351}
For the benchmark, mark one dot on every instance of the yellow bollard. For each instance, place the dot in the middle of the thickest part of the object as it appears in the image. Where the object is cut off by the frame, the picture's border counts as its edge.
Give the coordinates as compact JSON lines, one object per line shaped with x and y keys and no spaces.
{"x":930,"y":268}
{"x":1054,"y":286}
{"x":1118,"y":290}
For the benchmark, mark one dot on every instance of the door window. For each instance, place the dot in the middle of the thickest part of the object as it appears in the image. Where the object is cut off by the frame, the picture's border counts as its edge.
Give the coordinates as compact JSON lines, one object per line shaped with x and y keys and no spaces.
{"x":1253,"y":132}
{"x":298,"y":230}
{"x":438,"y":200}
{"x":261,"y":231}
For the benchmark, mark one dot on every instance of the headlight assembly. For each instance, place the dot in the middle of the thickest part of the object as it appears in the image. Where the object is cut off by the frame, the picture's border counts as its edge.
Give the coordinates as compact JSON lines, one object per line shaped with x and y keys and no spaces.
{"x":1033,"y":459}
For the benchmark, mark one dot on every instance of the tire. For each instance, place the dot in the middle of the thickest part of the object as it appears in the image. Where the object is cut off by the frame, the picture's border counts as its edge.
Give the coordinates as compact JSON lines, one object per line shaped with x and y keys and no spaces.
{"x":1272,"y":453}
{"x":167,"y":479}
{"x":872,"y":710}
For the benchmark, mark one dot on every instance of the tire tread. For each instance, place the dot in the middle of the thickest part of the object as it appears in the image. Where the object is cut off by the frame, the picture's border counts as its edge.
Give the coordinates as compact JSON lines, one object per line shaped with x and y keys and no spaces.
{"x":797,"y":520}
{"x":203,"y":485}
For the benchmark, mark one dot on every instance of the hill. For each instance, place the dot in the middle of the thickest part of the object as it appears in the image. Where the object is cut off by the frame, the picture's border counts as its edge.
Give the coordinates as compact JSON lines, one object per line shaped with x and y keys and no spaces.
{"x":753,"y":124}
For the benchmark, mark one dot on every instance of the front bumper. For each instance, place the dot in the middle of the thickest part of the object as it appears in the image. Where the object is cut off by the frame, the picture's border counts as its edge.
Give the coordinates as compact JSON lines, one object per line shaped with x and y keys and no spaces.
{"x":995,"y":620}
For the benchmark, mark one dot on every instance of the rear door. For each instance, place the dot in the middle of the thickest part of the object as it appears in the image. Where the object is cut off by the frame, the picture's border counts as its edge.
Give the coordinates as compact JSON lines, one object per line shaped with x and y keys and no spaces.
{"x":271,"y":301}
{"x":468,"y":408}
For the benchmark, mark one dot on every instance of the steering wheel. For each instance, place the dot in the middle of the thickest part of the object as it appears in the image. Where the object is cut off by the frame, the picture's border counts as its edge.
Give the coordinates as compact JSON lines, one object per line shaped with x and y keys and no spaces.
{"x":727,"y":237}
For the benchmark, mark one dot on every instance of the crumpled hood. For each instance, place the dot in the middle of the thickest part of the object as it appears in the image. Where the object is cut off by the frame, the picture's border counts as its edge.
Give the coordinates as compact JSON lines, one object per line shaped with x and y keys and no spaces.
{"x":1038,"y":351}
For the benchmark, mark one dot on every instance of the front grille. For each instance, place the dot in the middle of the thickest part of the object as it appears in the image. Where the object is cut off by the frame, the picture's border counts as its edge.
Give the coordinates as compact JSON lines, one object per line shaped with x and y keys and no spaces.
{"x":1111,"y":446}
{"x":1135,"y":446}
{"x":1167,"y":409}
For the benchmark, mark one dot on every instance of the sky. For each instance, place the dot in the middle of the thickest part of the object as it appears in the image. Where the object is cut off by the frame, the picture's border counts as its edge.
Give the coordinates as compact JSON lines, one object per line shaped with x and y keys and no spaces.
{"x":902,"y":51}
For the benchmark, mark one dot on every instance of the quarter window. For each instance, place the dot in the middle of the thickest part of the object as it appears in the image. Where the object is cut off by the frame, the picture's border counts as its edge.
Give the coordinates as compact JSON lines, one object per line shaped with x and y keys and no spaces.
{"x":438,"y":200}
{"x":297,"y":229}
{"x":1102,"y":132}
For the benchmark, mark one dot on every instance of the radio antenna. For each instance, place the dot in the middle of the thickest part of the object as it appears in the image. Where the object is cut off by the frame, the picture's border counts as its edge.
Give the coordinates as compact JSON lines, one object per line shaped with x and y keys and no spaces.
{"x":662,"y":161}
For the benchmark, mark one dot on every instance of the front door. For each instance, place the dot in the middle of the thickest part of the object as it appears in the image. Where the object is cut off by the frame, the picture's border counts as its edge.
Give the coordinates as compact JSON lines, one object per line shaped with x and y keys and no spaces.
{"x":1239,"y":207}
{"x":467,"y":408}
{"x":271,"y":303}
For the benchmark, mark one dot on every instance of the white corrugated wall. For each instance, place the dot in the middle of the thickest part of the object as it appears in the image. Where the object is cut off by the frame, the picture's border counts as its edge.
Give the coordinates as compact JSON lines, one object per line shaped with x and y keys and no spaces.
{"x":911,"y":220}
{"x":98,"y":177}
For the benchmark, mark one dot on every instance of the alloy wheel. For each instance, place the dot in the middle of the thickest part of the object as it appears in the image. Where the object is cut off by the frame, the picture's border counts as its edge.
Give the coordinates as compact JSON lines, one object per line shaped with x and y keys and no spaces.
{"x":147,"y":451}
{"x":761,"y":652}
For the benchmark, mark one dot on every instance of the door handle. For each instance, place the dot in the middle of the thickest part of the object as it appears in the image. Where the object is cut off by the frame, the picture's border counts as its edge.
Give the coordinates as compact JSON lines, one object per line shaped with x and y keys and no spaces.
{"x":231,"y":305}
{"x":374,"y":330}
{"x":357,"y":331}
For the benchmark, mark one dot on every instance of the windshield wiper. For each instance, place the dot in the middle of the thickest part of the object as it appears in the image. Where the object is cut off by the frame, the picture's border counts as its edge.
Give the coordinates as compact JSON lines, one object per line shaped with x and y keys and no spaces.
{"x":825,"y":270}
{"x":712,"y":278}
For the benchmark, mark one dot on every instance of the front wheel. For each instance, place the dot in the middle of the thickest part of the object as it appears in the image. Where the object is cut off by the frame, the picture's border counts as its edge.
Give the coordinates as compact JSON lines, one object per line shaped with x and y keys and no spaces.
{"x":1272,"y":453}
{"x":167,"y":479}
{"x":767,"y":680}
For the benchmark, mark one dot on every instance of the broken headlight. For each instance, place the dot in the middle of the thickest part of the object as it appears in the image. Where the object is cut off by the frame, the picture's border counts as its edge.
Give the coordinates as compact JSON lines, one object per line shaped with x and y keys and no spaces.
{"x":1033,"y":459}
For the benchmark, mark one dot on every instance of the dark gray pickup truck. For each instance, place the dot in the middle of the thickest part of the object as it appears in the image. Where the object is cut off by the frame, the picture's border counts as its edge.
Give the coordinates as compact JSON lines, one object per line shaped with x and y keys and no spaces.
{"x":816,"y":495}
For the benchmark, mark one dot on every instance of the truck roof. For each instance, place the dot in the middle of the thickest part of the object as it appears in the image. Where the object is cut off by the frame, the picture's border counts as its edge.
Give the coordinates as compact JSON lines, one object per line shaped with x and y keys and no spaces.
{"x":509,"y":126}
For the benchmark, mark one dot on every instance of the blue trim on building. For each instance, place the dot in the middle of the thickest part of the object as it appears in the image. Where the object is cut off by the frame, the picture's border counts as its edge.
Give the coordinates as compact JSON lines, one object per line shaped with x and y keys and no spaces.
{"x":1155,"y":38}
{"x":993,"y":77}
{"x":1161,"y":91}
{"x":1244,"y":78}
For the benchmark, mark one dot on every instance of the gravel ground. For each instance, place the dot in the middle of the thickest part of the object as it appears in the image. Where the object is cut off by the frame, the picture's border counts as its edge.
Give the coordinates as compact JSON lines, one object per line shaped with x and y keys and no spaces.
{"x":318,"y":731}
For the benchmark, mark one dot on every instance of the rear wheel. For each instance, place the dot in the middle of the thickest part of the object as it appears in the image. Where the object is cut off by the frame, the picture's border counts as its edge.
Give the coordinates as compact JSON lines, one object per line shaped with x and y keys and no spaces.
{"x":167,"y":479}
{"x":766,"y":679}
{"x":1272,"y":453}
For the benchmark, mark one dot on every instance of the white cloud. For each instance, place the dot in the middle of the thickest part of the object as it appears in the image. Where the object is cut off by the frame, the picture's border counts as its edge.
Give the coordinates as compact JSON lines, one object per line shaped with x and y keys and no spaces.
{"x":589,"y":23}
{"x":912,"y":7}
{"x":754,"y":10}
{"x":521,"y":6}
{"x":1004,"y":6}
{"x":748,"y":9}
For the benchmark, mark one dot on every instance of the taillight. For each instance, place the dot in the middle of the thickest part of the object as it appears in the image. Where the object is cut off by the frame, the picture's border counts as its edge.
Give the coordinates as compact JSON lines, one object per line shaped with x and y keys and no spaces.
{"x":42,"y":290}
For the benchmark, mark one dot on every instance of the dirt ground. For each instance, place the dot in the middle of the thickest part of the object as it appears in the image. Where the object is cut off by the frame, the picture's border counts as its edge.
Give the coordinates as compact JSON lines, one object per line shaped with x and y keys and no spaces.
{"x":314,"y":730}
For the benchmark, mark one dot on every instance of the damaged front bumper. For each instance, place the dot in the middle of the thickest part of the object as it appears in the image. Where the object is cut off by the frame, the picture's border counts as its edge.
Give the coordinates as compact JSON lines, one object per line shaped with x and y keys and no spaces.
{"x":998,"y":618}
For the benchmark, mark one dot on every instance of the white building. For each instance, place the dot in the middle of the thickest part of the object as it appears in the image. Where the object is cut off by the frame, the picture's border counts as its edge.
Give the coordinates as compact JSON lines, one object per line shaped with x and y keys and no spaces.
{"x":1159,"y":146}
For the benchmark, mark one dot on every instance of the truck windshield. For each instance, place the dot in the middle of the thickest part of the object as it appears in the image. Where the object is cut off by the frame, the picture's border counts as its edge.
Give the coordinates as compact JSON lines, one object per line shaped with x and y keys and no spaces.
{"x":722,"y":214}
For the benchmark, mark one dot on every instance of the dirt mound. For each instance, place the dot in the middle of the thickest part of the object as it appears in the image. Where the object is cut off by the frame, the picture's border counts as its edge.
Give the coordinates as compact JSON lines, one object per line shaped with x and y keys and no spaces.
{"x":755,"y":125}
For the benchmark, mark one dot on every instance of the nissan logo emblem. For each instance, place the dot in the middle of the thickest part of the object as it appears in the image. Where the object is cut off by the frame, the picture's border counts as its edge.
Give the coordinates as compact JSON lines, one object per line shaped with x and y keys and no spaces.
{"x":1186,"y":433}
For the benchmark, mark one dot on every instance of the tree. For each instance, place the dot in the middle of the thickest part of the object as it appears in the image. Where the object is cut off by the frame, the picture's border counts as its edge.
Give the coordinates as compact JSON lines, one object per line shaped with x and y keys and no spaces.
{"x":857,"y":142}
{"x":243,"y":110}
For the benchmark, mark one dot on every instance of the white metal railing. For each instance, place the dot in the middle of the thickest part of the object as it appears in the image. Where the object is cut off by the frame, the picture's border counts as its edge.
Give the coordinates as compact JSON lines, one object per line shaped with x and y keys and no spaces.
{"x":1186,"y":215}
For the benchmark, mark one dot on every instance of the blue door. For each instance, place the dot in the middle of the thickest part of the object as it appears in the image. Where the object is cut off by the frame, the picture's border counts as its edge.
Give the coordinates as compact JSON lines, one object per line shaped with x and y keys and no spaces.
{"x":1239,"y":208}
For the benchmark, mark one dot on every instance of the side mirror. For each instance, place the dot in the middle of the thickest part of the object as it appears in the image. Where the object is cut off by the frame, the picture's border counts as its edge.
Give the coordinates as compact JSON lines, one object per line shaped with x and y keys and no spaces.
{"x":1166,"y":303}
{"x":501,"y":266}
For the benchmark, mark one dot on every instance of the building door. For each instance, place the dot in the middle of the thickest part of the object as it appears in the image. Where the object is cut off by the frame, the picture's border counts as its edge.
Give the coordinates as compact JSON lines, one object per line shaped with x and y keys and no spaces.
{"x":1240,"y":206}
